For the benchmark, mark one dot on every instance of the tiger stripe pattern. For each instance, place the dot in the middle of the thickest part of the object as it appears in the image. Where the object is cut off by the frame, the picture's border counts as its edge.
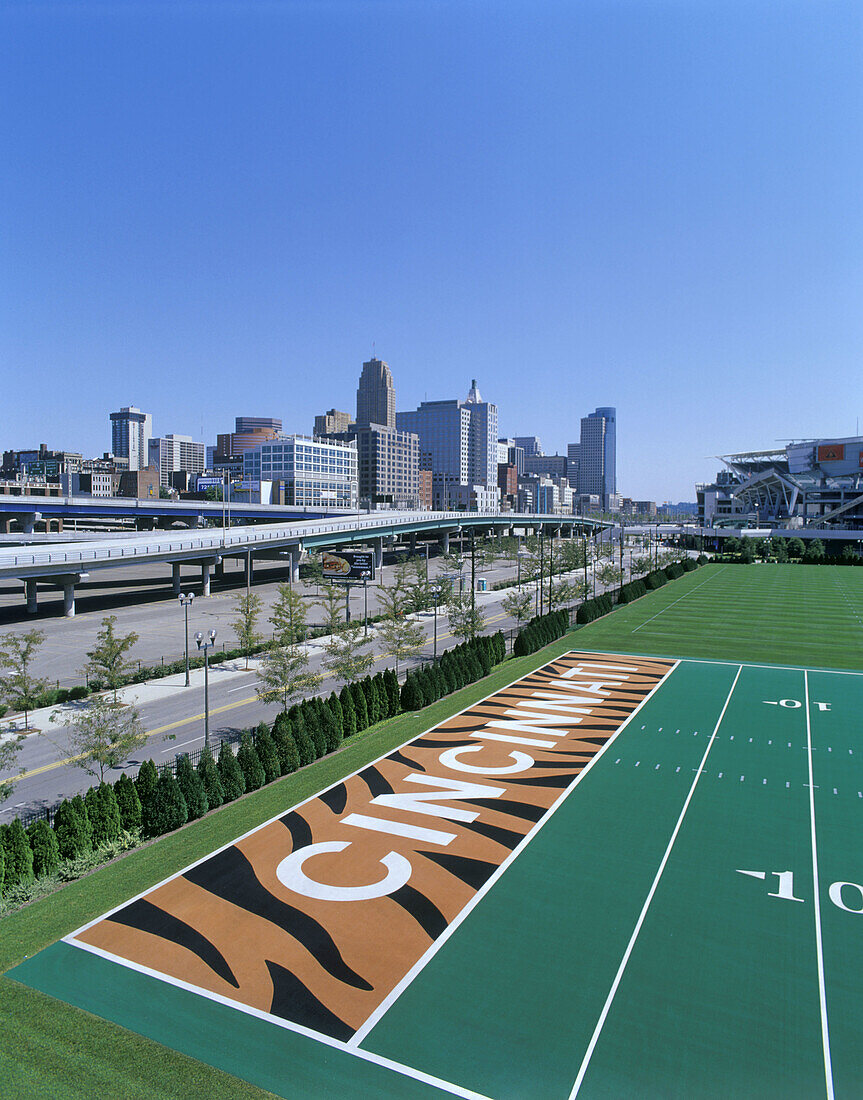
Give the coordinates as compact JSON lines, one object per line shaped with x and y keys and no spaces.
{"x":317,"y":915}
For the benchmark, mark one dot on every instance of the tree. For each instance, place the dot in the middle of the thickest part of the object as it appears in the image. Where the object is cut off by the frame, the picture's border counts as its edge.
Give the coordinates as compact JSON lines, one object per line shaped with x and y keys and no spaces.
{"x":267,"y":754}
{"x":211,"y":779}
{"x":349,"y":714}
{"x":43,"y":841}
{"x":169,"y":810}
{"x":796,"y":549}
{"x":331,"y":602}
{"x":566,"y":592}
{"x":289,"y":616}
{"x":103,"y":813}
{"x":128,"y":803}
{"x":814,"y":552}
{"x":102,"y":735}
{"x":250,"y":763}
{"x":192,"y":786}
{"x":107,"y":660}
{"x":283,"y":673}
{"x":400,"y":636}
{"x":17,"y":853}
{"x":72,"y":828}
{"x":465,"y":621}
{"x":518,"y":604}
{"x":8,"y":752}
{"x":247,"y":607}
{"x":344,"y":658}
{"x":17,"y":684}
{"x":231,"y":774}
{"x":413,"y":583}
{"x":314,"y":570}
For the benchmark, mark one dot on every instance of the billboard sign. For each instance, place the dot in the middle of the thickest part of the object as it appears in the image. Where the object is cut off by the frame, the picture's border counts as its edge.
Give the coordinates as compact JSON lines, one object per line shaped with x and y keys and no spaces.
{"x":204,"y":483}
{"x":348,"y":565}
{"x":831,"y":452}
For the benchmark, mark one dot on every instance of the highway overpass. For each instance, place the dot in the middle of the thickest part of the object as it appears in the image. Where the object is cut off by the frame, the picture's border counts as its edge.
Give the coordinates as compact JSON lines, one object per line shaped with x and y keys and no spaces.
{"x":24,"y":512}
{"x":67,"y":564}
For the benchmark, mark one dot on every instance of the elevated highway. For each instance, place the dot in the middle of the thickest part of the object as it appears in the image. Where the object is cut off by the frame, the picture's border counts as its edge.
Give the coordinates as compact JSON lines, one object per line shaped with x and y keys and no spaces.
{"x":26,"y":511}
{"x":67,"y":564}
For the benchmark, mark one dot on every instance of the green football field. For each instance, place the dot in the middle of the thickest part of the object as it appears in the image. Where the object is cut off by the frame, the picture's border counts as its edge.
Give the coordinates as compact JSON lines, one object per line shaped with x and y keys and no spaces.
{"x":685,"y":919}
{"x":782,"y":614}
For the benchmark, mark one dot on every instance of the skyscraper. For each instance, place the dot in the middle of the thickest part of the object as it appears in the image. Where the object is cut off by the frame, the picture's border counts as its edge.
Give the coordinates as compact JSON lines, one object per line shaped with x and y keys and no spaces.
{"x":376,"y":395}
{"x":458,"y":443}
{"x":598,"y":454}
{"x":131,"y":430}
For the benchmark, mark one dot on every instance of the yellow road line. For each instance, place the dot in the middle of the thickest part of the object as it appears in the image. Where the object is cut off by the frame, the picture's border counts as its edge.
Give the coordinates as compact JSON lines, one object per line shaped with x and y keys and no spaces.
{"x":185,"y":721}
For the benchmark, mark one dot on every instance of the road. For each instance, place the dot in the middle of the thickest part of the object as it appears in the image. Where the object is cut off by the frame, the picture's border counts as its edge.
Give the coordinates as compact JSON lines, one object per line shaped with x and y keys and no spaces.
{"x":173,"y":715}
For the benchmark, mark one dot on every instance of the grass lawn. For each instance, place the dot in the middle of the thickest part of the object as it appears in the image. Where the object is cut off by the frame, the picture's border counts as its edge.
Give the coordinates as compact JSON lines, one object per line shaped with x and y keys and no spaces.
{"x":808,"y":615}
{"x":801,"y":615}
{"x":51,"y":1049}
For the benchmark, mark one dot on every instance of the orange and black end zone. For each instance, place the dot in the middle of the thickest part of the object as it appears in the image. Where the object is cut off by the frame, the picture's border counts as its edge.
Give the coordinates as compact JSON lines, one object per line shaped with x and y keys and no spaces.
{"x":316,"y":916}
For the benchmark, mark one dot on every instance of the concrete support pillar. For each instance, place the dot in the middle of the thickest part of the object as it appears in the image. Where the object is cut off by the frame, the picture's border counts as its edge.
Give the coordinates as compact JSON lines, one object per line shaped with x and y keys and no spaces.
{"x":413,"y":542}
{"x":30,"y":588}
{"x":175,"y":577}
{"x":378,"y":545}
{"x":444,"y":542}
{"x":205,"y":579}
{"x":69,"y":600}
{"x":220,"y":570}
{"x":295,"y":565}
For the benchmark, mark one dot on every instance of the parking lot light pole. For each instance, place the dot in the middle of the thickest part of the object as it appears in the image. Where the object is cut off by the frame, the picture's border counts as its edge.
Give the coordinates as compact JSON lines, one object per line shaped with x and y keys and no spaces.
{"x":206,"y":646}
{"x":186,"y":603}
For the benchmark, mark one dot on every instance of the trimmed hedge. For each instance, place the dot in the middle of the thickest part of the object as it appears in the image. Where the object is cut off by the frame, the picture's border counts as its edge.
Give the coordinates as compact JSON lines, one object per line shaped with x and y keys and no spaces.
{"x":540,"y":631}
{"x":595,"y":608}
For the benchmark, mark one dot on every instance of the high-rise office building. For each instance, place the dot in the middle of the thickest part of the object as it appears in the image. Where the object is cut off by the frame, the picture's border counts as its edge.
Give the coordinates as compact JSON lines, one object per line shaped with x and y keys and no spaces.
{"x":530,"y":444}
{"x":598,"y":454}
{"x":244,"y":424}
{"x":458,"y":443}
{"x":376,"y":395}
{"x":573,"y":464}
{"x":172,"y":453}
{"x":332,"y":422}
{"x":131,"y":430}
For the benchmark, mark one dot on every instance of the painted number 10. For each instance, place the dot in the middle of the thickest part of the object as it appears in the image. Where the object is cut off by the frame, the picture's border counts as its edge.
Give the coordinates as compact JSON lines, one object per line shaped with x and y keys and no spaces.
{"x":847,"y":896}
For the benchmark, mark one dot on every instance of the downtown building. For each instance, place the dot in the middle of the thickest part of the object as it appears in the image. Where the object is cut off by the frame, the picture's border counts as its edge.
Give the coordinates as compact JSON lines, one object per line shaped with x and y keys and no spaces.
{"x":596,"y":456}
{"x":313,"y":473}
{"x":131,"y":432}
{"x":388,"y":470}
{"x":174,"y":455}
{"x":458,"y":443}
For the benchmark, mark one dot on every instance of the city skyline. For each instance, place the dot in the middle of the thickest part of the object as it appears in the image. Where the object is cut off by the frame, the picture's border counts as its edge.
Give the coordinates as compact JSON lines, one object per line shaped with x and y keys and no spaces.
{"x":650,"y":207}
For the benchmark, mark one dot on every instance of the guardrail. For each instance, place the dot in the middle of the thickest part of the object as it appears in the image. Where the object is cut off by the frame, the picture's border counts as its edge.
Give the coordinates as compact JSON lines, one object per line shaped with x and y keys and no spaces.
{"x":142,"y":546}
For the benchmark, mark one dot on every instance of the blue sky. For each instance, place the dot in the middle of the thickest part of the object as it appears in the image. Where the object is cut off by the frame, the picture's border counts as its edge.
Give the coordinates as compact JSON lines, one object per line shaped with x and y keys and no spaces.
{"x":216,"y":209}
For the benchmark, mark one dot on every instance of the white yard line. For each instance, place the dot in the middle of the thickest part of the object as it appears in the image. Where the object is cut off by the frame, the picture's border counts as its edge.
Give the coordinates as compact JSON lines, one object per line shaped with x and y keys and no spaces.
{"x":629,"y":948}
{"x":683,"y":597}
{"x":385,"y":1005}
{"x":819,"y":946}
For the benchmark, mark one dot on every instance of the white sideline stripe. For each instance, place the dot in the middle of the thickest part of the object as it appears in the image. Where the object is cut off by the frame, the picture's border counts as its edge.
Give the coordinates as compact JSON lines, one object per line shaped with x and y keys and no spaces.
{"x":421,"y":963}
{"x":819,"y":947}
{"x":683,"y":597}
{"x":719,"y":661}
{"x":629,"y":947}
{"x":319,"y":1036}
{"x":367,"y":1056}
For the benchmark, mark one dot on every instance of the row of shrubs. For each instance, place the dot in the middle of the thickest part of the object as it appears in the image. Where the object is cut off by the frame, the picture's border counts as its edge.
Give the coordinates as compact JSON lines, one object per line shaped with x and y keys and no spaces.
{"x":634,"y":590}
{"x":158,"y":801}
{"x":458,"y":667}
{"x":541,"y":631}
{"x":595,"y":608}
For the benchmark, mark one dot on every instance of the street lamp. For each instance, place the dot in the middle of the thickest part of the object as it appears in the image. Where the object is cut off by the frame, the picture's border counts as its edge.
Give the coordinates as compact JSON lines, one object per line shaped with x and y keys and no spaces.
{"x":522,"y":553}
{"x":186,"y":602}
{"x":206,"y":647}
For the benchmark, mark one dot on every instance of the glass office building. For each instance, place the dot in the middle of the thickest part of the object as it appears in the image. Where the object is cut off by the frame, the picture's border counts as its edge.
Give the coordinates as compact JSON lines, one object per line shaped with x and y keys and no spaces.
{"x":315,"y":474}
